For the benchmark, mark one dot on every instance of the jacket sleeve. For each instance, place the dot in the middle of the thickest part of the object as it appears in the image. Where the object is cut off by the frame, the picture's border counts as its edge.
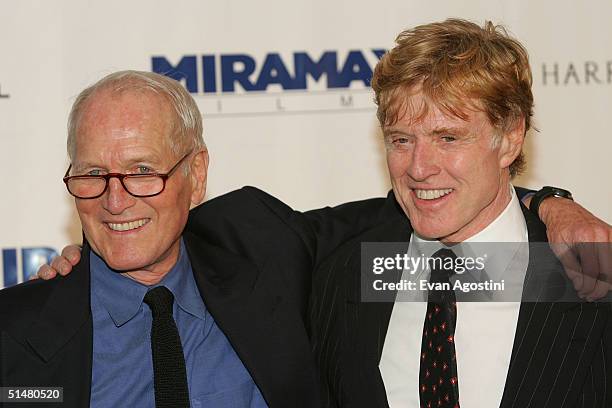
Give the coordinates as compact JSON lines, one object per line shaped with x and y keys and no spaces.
{"x":252,"y":223}
{"x":257,"y":225}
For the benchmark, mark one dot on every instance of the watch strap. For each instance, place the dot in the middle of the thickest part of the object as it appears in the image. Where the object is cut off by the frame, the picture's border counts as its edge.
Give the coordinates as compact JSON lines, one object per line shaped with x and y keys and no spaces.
{"x":544,"y":193}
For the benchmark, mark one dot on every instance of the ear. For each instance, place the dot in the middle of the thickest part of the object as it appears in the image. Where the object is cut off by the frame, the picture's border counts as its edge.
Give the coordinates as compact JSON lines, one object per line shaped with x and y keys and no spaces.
{"x":511,"y":144}
{"x":199,"y":174}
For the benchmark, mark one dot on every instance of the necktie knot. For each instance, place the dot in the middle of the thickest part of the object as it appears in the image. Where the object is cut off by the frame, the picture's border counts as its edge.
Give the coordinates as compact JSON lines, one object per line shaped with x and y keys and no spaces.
{"x":160,"y":300}
{"x":442,"y":265}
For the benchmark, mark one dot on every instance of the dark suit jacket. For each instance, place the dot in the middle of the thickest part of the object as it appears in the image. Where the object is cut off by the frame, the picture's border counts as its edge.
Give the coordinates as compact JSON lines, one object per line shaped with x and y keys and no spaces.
{"x":256,"y":288}
{"x":562,"y":353}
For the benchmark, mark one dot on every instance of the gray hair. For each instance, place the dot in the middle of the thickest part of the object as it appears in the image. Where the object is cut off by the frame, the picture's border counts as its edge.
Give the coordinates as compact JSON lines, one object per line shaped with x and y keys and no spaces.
{"x":188,"y":125}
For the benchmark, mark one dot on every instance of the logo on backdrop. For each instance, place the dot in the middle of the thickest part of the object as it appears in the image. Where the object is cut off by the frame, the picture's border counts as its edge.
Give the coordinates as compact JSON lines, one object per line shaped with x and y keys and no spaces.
{"x":244,"y":84}
{"x":576,"y":73}
{"x":3,"y":95}
{"x":19,"y":264}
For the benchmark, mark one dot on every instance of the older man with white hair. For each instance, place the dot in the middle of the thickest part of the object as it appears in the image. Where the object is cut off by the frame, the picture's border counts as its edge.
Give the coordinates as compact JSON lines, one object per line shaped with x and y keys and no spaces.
{"x":153,"y":316}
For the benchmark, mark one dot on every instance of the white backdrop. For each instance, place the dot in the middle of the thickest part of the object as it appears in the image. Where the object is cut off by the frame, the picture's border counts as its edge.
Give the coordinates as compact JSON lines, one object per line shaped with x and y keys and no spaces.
{"x":311,"y":147}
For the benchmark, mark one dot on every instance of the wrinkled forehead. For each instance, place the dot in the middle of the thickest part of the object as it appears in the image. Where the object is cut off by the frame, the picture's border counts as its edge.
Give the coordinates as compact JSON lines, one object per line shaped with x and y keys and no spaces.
{"x":126,"y":101}
{"x":117,"y":112}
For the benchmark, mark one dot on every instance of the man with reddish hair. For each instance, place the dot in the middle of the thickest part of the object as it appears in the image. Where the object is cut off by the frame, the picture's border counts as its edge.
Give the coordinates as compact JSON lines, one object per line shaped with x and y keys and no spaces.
{"x":455,"y":103}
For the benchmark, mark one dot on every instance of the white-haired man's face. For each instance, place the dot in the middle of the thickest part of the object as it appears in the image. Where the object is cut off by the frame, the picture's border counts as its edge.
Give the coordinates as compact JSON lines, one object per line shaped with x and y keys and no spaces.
{"x":449,"y":177}
{"x":129,"y":132}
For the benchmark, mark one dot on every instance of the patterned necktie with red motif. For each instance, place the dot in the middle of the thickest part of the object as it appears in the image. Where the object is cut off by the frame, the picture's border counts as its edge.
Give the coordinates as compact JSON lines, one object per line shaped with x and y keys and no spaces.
{"x":438,"y":383}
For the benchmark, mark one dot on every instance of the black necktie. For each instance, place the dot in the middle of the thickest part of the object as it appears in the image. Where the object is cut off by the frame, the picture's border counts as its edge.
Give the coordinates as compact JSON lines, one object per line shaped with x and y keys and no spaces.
{"x":438,"y":382}
{"x":169,"y":373}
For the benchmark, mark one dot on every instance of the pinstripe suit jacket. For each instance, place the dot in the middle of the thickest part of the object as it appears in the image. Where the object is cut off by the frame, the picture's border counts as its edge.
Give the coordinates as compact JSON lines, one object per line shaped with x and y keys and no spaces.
{"x":562,"y":353}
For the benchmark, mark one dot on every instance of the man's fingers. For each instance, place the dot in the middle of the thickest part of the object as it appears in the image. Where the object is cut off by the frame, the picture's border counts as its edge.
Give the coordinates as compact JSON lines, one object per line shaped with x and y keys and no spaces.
{"x":61,"y":265}
{"x":605,"y":261}
{"x":571,"y":264}
{"x":46,"y":272}
{"x":588,"y":265}
{"x":601,"y":290}
{"x":604,"y":278}
{"x":596,"y":260}
{"x":72,"y":253}
{"x":589,"y":285}
{"x":587,"y":253}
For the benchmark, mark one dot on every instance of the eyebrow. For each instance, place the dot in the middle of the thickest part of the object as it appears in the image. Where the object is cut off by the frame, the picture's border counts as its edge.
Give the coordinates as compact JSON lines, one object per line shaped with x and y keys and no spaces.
{"x":459,"y":131}
{"x":78,"y":167}
{"x":388,"y":131}
{"x":449,"y":130}
{"x":87,"y":165}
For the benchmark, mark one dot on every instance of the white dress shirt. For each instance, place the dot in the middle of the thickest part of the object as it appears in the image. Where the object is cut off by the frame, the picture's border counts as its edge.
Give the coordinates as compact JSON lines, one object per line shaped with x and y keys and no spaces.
{"x":484,"y":332}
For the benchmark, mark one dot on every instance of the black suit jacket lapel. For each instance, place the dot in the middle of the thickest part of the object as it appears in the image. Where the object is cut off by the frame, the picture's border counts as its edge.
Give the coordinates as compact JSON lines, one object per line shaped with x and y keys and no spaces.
{"x":370,"y":320}
{"x":266,"y":332}
{"x":554,"y":342}
{"x":376,"y":315}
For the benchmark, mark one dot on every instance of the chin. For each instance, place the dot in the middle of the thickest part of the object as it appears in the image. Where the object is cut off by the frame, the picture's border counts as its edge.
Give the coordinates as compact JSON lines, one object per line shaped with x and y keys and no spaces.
{"x":122,"y":260}
{"x":428,"y":234}
{"x":124,"y":265}
{"x":432,"y":231}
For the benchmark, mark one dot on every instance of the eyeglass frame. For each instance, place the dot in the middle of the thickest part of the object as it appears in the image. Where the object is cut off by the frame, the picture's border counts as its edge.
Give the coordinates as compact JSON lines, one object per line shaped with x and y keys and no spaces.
{"x":121,"y":177}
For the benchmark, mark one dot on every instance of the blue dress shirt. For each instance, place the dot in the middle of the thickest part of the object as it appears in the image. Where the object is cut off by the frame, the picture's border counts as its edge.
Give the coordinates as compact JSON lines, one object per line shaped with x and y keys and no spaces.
{"x":122,"y":370}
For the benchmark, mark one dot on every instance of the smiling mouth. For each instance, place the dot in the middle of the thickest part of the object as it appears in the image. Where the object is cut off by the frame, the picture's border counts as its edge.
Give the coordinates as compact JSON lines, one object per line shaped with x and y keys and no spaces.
{"x":128,"y":226}
{"x":431,"y":194}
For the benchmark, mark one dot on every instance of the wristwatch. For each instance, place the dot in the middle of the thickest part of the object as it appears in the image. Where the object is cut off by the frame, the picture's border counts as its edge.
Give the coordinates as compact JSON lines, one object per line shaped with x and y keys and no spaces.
{"x":545,"y":192}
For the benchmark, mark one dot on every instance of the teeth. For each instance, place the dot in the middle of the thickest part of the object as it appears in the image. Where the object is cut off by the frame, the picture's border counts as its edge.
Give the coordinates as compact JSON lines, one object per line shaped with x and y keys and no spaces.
{"x":431,"y":194}
{"x":126,"y":226}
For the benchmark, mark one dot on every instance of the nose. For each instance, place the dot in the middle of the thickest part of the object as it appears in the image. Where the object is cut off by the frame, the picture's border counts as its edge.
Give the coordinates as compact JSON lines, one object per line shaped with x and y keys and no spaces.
{"x":424,"y":161}
{"x":116,"y":199}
